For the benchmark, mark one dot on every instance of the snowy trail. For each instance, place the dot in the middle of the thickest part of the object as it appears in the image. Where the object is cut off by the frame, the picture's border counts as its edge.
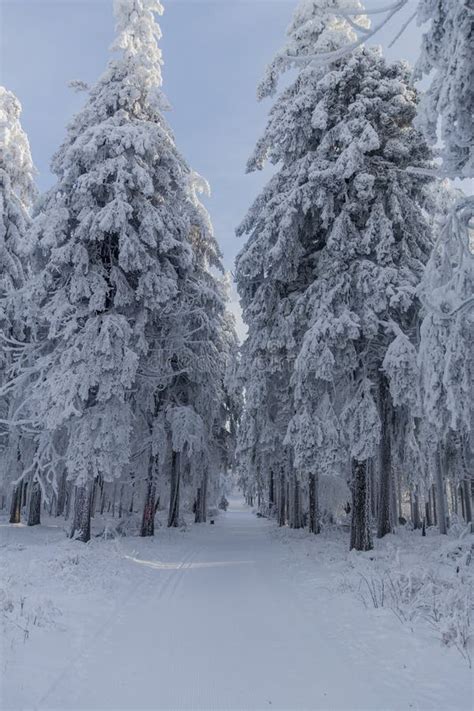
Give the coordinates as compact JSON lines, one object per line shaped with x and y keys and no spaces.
{"x":215,"y":621}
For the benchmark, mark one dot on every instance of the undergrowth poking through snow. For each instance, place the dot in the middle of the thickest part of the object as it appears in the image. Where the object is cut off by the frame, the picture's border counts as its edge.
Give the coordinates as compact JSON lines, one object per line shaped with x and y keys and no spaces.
{"x":426,"y":582}
{"x":444,"y":602}
{"x":20,"y":614}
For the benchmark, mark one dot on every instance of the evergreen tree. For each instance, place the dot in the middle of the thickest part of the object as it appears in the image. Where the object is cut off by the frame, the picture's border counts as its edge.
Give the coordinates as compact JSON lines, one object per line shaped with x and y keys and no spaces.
{"x":446,"y":110}
{"x":274,"y":267}
{"x":17,"y":193}
{"x":445,"y":359}
{"x":117,"y":244}
{"x":341,"y":236}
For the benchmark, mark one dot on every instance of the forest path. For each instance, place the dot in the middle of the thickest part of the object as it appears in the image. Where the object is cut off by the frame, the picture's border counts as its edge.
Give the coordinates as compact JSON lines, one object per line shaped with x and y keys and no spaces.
{"x":220,"y":628}
{"x":222,"y":616}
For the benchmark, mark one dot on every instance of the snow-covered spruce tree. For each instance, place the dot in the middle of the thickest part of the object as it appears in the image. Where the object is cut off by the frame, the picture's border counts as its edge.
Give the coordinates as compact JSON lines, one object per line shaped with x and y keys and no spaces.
{"x":113,"y":254}
{"x":275,"y":265}
{"x":446,"y":111}
{"x":445,"y":353}
{"x":17,"y":193}
{"x":348,"y":217}
{"x":373,"y":239}
{"x":185,"y":376}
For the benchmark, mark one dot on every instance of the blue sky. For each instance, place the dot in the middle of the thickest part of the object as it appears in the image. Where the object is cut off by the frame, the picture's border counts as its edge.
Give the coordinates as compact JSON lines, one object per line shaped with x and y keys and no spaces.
{"x":215,"y":53}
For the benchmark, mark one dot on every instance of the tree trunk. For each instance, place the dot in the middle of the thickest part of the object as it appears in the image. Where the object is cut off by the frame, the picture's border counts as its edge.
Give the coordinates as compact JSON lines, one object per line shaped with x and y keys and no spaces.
{"x":67,"y":505}
{"x":271,"y":493}
{"x":198,"y":506}
{"x":102,"y":498}
{"x":453,"y":488}
{"x":361,"y":534}
{"x":428,"y":513}
{"x":466,"y":489}
{"x":81,"y":526}
{"x":440,"y":496}
{"x":313,"y":518}
{"x":282,"y":502}
{"x":399,"y":497}
{"x":132,"y":498}
{"x":34,"y":511}
{"x":416,"y":511}
{"x":173,"y":514}
{"x":297,"y":517}
{"x":61,"y":500}
{"x":204,"y":498}
{"x":148,"y":518}
{"x":120,"y":510}
{"x":384,"y":524}
{"x":114,"y":496}
{"x":17,"y":497}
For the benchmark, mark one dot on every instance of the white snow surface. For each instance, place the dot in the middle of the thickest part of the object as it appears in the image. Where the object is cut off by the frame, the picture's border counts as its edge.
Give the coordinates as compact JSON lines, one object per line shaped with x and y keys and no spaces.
{"x":239,"y":615}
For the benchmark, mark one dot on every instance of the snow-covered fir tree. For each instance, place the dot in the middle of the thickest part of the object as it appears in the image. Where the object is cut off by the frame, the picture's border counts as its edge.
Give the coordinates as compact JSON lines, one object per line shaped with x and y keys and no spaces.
{"x":123,"y":291}
{"x":17,"y":194}
{"x":338,"y":240}
{"x":445,"y":112}
{"x":445,"y":353}
{"x":273,"y":267}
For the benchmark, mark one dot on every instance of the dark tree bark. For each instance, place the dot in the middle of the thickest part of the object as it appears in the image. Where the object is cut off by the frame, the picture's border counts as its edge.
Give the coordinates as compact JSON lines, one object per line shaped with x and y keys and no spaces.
{"x":282,"y":502}
{"x":428,"y":513}
{"x":201,"y":502}
{"x":94,"y":494}
{"x":132,"y":498}
{"x":148,"y":518}
{"x":150,"y":503}
{"x":61,"y":500}
{"x":102,"y":497}
{"x":271,"y":493}
{"x":416,"y":511}
{"x":173,"y":514}
{"x":297,"y":518}
{"x":198,"y":506}
{"x":34,"y":511}
{"x":466,"y":491}
{"x":67,"y":506}
{"x":313,"y":518}
{"x":120,"y":511}
{"x":81,"y":525}
{"x":384,"y":523}
{"x":440,"y":495}
{"x":114,"y":496}
{"x":361,"y":534}
{"x":433,"y":501}
{"x":204,"y":498}
{"x":15,"y":510}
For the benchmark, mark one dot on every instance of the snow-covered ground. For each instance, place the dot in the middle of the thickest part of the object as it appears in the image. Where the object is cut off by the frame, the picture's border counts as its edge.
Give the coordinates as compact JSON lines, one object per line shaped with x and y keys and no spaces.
{"x":239,"y":615}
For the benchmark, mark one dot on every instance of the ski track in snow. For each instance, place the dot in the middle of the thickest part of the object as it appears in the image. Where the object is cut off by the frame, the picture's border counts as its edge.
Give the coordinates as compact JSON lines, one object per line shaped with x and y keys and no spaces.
{"x":217,"y":619}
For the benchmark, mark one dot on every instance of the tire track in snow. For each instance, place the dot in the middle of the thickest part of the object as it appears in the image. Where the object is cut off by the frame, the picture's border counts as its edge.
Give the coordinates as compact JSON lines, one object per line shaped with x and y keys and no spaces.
{"x":166,"y":590}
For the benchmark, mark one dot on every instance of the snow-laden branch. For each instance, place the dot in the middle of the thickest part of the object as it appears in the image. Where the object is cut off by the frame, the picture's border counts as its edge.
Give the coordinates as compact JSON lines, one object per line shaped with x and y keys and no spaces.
{"x":333,"y":56}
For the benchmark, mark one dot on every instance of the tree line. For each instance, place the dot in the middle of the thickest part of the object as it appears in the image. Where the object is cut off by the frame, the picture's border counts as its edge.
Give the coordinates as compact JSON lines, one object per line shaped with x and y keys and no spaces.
{"x":116,"y":340}
{"x":123,"y":387}
{"x":356,"y":278}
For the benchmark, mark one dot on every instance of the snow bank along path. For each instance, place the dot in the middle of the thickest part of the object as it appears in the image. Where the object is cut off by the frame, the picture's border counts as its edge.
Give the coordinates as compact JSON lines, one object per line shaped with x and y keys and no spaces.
{"x":214,"y":619}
